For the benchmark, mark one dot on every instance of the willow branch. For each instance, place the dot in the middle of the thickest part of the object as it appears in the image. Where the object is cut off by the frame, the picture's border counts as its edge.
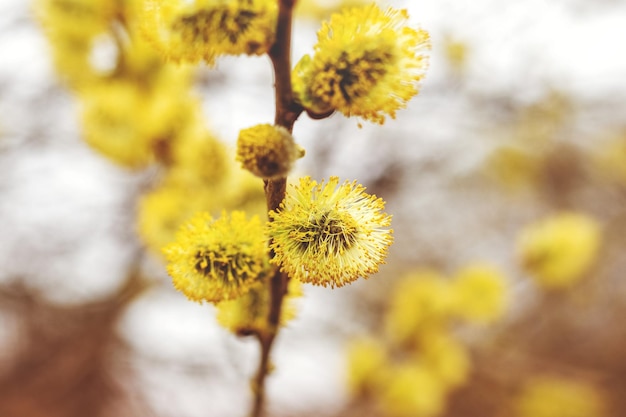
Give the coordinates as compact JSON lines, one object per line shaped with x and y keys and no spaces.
{"x":287,"y":111}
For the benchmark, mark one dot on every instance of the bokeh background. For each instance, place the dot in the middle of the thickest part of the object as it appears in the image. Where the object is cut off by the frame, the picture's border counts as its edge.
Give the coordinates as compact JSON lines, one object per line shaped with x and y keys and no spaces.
{"x":521,"y":115}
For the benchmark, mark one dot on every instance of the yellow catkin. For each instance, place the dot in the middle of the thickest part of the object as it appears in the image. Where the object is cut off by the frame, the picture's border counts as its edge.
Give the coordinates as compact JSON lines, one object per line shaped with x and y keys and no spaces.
{"x":267,"y":151}
{"x":558,"y":251}
{"x":73,"y":27}
{"x":420,"y":303}
{"x":248,"y":313}
{"x":128,"y":124}
{"x":610,"y":158}
{"x":318,"y":10}
{"x":479,"y":293}
{"x":548,"y":396}
{"x":446,"y":358}
{"x":366,"y":361}
{"x":205,"y":29}
{"x":217,"y":259}
{"x":410,"y":390}
{"x":367,"y":63}
{"x":329,"y":234}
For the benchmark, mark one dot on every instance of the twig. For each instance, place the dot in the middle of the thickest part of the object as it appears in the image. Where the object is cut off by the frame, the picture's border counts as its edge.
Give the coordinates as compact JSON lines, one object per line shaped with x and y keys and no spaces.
{"x":287,"y":111}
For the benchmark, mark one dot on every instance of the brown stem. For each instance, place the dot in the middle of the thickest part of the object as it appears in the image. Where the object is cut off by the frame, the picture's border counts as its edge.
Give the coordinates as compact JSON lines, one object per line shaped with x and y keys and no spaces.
{"x":287,"y":111}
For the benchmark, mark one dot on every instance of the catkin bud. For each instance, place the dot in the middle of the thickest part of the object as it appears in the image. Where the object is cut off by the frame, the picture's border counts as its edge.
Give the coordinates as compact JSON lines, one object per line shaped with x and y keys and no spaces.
{"x":267,"y":151}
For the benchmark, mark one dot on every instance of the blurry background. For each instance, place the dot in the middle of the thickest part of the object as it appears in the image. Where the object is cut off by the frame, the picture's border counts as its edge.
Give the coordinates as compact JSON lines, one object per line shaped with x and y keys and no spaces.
{"x":521,"y":115}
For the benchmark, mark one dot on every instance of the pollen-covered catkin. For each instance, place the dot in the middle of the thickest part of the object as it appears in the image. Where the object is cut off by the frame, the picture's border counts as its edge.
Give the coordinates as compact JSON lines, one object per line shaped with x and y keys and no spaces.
{"x":206,"y":29}
{"x":368,"y":63}
{"x":329,"y":234}
{"x":267,"y":151}
{"x":557,"y":251}
{"x":217,"y":259}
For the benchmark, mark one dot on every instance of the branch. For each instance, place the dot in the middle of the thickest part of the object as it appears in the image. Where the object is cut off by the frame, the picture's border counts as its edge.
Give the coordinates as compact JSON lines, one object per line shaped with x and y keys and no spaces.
{"x":287,"y":112}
